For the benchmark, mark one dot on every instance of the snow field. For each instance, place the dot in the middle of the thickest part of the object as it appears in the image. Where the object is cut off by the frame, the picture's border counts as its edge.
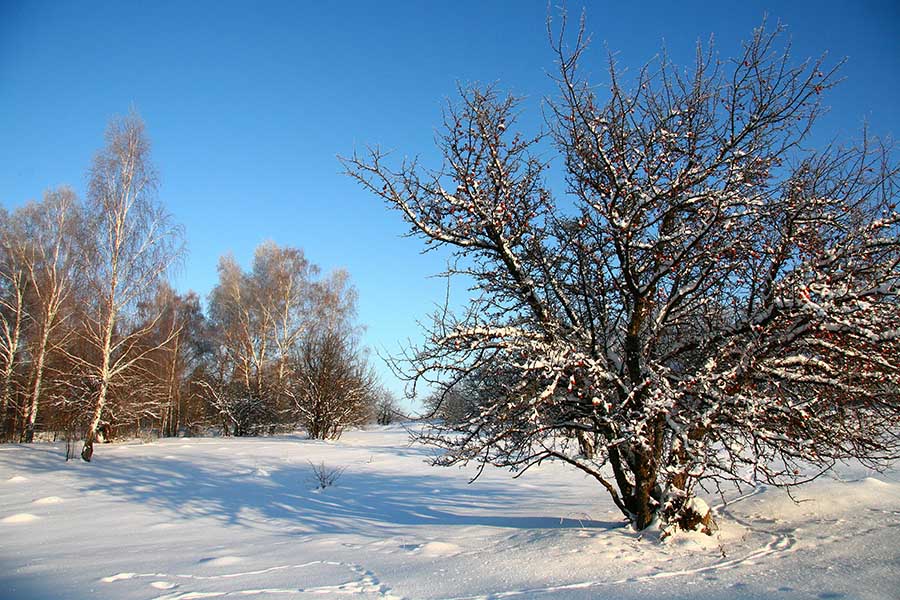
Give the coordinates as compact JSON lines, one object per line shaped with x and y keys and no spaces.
{"x":240,"y":518}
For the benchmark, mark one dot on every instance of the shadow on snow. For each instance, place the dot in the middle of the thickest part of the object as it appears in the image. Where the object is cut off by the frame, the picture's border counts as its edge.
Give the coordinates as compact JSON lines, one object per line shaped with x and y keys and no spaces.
{"x":364,"y":500}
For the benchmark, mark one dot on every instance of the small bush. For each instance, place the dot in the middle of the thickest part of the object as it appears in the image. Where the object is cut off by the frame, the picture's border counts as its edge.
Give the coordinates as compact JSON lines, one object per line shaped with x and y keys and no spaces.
{"x":325,"y":476}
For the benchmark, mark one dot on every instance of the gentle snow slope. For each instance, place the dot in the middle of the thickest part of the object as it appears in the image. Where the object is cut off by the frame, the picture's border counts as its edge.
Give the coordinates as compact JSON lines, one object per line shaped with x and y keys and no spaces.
{"x":239,"y":518}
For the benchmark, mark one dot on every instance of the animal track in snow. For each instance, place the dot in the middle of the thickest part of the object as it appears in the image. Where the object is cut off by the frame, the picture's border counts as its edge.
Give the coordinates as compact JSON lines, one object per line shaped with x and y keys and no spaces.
{"x":364,"y":581}
{"x":163,"y":585}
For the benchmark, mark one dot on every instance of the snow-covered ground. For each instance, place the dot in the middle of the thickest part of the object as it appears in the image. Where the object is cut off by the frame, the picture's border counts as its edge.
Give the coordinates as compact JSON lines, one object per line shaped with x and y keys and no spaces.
{"x":241,"y":518}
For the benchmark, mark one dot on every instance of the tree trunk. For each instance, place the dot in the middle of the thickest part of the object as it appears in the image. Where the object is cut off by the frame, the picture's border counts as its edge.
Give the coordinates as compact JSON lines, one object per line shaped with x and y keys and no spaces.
{"x":36,"y":388}
{"x":643,"y":505}
{"x":5,"y":402}
{"x":7,"y":379}
{"x":174,"y":391}
{"x":88,"y":451}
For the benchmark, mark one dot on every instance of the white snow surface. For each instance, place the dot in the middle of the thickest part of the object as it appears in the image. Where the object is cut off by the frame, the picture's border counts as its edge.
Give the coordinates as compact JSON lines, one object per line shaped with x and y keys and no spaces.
{"x":241,"y":518}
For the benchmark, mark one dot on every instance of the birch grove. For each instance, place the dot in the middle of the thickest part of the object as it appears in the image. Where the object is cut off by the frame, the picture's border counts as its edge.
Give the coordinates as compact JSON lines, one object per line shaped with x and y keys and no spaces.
{"x":286,"y":347}
{"x":96,"y":344}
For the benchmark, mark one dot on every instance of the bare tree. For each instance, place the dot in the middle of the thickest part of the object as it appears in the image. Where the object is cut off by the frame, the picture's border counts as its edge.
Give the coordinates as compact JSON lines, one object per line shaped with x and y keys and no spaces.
{"x":183,"y":356}
{"x":285,"y":300}
{"x":710,"y":302}
{"x":52,"y":228}
{"x":386,"y":407}
{"x":334,"y":385}
{"x":169,"y":346}
{"x":13,"y":282}
{"x":467,"y":397}
{"x":169,"y":356}
{"x":136,"y":244}
{"x":242,"y":348}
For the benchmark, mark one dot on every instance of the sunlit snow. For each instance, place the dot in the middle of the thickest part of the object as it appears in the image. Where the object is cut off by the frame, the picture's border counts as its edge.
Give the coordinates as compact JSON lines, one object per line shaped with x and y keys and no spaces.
{"x":224,"y":518}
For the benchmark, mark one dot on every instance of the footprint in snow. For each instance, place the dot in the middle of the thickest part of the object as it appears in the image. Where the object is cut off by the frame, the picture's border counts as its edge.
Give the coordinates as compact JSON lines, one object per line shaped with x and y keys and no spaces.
{"x":221,"y":561}
{"x":48,"y":500}
{"x":163,"y":585}
{"x":118,"y":577}
{"x":873,"y":481}
{"x":16,"y":479}
{"x":433,"y":549}
{"x":20,"y":518}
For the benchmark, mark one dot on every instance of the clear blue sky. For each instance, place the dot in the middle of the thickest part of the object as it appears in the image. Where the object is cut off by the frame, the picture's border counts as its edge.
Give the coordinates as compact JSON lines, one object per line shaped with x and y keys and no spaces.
{"x":247,"y":105}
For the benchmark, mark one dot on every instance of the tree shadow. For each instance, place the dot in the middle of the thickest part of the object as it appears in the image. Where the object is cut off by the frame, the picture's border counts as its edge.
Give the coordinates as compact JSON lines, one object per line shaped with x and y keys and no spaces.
{"x":364,"y":500}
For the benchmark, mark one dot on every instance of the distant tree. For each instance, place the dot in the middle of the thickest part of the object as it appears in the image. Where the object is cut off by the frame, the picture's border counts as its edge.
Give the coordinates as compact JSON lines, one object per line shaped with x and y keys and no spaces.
{"x":174,"y":347}
{"x":387,"y":409}
{"x":135,"y":244}
{"x":712,"y":301}
{"x":469,"y":396}
{"x":334,"y":387}
{"x":186,"y":352}
{"x":451,"y":406}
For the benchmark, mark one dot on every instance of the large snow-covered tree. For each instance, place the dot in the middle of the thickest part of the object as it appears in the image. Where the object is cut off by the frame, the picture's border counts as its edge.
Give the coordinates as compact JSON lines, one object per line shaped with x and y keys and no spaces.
{"x":709,"y":300}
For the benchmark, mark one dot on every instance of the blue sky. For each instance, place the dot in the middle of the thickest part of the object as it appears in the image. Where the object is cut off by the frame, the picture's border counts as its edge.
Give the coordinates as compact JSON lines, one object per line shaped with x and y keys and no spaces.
{"x":247,"y":105}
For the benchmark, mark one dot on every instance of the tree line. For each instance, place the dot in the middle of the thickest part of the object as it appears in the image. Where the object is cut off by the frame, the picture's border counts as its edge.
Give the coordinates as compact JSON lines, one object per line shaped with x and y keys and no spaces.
{"x":95,"y":342}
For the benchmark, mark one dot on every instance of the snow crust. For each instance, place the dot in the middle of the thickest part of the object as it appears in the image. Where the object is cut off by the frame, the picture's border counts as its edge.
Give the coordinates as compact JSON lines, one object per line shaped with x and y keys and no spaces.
{"x":193,"y":518}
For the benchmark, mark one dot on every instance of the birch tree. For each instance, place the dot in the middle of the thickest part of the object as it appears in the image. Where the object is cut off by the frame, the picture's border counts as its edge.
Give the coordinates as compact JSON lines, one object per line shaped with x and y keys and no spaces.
{"x":259,"y":318}
{"x":181,"y":356}
{"x":13,"y":281}
{"x":710,"y":301}
{"x":51,"y":259}
{"x":136,"y":244}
